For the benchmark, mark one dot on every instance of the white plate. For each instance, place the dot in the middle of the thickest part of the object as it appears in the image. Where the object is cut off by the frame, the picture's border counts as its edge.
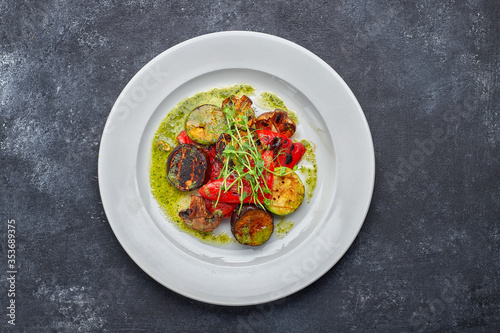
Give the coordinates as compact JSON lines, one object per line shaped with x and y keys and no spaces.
{"x":330,"y":116}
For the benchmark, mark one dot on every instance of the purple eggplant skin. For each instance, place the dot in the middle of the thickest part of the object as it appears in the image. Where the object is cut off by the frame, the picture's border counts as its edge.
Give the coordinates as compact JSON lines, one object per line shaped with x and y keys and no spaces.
{"x":251,"y":225}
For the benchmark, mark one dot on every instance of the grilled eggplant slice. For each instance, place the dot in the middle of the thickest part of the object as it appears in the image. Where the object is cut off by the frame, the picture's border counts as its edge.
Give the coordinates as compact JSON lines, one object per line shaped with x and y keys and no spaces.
{"x":187,"y":167}
{"x":251,"y":225}
{"x":288,"y":192}
{"x":205,"y":124}
{"x":198,"y":217}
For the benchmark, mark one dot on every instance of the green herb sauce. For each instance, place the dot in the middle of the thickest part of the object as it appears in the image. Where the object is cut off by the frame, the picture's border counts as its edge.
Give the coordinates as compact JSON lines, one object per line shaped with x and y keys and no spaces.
{"x":171,"y":200}
{"x":270,"y":101}
{"x":283,"y":227}
{"x":310,"y":170}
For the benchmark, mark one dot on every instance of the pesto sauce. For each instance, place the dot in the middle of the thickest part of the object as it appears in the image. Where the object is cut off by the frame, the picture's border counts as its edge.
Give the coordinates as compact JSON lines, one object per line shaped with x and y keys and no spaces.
{"x":269,"y":100}
{"x":283,"y":227}
{"x":170,"y":199}
{"x":311,"y":170}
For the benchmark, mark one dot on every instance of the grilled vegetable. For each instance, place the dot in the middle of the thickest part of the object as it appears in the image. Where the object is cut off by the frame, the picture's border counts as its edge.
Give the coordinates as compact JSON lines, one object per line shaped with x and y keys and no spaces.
{"x":241,"y":191}
{"x":277,"y":121}
{"x":184,"y":138}
{"x":242,"y":107}
{"x":231,"y":191}
{"x":288,"y":152}
{"x":288,"y":192}
{"x":187,"y":167}
{"x":252,"y":225}
{"x":198,"y":217}
{"x":220,"y":145}
{"x":215,"y":168}
{"x":224,"y":141}
{"x":214,"y":164}
{"x":224,"y":208}
{"x":205,"y":124}
{"x":291,"y":154}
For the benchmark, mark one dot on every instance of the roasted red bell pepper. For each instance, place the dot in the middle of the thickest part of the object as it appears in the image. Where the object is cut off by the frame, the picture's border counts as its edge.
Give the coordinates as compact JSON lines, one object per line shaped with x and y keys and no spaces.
{"x":286,"y":152}
{"x":224,"y":208}
{"x":232,"y":194}
{"x":215,"y":168}
{"x":184,"y":138}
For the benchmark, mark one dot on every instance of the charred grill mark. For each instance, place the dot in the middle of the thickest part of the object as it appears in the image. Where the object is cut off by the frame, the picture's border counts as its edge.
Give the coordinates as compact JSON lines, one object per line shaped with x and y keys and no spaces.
{"x":185,"y":213}
{"x":187,"y":167}
{"x":220,"y":145}
{"x":277,"y":121}
{"x":279,"y":118}
{"x":276,"y":144}
{"x":289,"y":158}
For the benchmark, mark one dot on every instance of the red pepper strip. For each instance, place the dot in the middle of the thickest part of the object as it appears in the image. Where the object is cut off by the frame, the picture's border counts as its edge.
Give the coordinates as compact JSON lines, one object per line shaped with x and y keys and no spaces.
{"x":288,"y":152}
{"x":225,"y":209}
{"x":292,"y":154}
{"x":268,"y":176}
{"x":232,"y":195}
{"x":215,"y":168}
{"x":184,"y":138}
{"x":211,"y":191}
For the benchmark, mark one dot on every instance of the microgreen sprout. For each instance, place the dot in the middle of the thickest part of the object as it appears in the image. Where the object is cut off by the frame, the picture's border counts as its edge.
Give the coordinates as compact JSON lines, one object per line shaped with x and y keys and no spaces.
{"x":242,"y":160}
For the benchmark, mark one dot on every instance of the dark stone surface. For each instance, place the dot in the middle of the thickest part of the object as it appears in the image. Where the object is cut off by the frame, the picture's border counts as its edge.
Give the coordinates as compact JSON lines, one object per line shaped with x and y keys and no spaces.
{"x":427,"y":76}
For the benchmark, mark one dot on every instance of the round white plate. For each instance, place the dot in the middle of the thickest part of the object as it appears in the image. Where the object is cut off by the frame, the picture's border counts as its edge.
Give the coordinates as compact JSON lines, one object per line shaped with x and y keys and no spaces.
{"x":330,"y":117}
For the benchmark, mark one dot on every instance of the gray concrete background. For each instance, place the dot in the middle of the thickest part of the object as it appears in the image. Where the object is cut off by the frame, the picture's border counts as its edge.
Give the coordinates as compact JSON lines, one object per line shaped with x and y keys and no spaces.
{"x":427,"y":76}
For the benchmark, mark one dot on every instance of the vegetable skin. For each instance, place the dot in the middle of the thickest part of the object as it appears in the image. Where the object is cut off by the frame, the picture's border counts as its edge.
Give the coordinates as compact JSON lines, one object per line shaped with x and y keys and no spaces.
{"x":251,"y":225}
{"x":277,"y":121}
{"x":187,"y":167}
{"x":242,"y":107}
{"x":205,"y":124}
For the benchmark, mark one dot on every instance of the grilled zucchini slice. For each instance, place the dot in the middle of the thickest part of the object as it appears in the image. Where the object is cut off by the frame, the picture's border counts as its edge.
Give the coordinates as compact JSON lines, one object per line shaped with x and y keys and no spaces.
{"x":288,"y":192}
{"x":205,"y":124}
